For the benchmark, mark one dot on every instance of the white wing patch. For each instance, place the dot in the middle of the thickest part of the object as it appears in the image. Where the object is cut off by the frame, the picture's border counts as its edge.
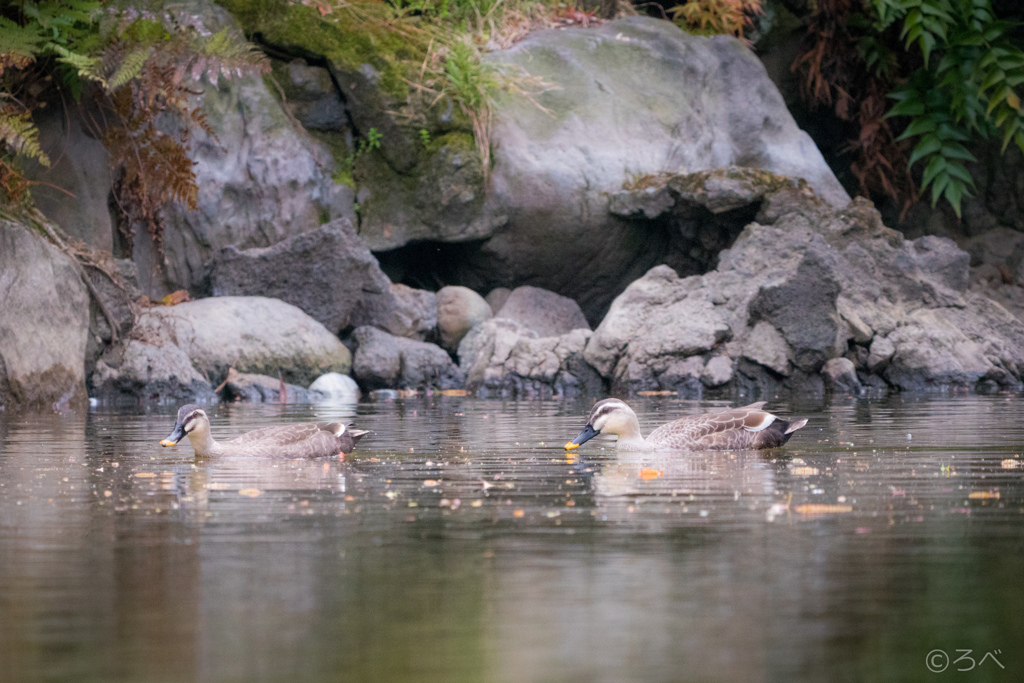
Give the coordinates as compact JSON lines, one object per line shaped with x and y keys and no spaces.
{"x":341,"y":430}
{"x":765,"y":423}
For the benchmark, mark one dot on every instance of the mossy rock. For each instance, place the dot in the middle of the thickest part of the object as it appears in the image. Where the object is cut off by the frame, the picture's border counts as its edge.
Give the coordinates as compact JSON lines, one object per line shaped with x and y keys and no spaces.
{"x":370,"y":63}
{"x":444,"y":199}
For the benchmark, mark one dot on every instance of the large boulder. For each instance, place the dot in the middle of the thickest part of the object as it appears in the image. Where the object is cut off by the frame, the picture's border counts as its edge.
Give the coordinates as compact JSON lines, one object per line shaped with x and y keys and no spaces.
{"x":546,"y":313}
{"x":256,"y":335}
{"x":459,"y":309}
{"x":383,"y":361}
{"x":503,"y":357}
{"x":44,"y":324}
{"x":702,"y":103}
{"x":803,"y":286}
{"x":327,"y":272}
{"x":180,"y":352}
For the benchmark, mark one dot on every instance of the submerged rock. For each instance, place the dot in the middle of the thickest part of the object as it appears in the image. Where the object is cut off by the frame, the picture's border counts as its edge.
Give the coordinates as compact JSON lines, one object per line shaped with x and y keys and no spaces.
{"x":254,"y":388}
{"x":44,"y":322}
{"x":383,"y":361}
{"x":336,"y":387}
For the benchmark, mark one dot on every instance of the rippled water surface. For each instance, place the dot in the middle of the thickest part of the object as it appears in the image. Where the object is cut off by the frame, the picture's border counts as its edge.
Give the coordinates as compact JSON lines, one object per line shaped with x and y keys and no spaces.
{"x":460,"y":543}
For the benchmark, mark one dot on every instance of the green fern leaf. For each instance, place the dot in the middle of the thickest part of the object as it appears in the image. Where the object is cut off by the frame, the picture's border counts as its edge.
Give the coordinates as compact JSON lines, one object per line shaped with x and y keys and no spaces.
{"x":21,"y":137}
{"x":129,"y":69}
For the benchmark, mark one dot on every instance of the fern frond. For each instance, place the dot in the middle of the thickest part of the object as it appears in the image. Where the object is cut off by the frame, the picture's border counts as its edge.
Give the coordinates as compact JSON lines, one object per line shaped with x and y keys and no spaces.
{"x":21,"y":137}
{"x":130,"y":68}
{"x":85,"y":67}
{"x":19,"y":41}
{"x":229,"y":53}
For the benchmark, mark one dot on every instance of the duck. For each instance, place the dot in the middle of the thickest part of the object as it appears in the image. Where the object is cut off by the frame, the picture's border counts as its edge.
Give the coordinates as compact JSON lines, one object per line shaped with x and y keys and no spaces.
{"x":749,"y":427}
{"x":302,"y":440}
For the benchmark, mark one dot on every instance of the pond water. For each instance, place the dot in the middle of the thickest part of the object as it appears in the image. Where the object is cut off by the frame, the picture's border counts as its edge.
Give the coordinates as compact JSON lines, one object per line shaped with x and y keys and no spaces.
{"x":461,"y":543}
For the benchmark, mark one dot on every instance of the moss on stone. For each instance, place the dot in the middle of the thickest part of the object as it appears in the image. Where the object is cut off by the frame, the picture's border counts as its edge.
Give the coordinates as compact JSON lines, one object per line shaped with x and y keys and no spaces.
{"x":342,"y":38}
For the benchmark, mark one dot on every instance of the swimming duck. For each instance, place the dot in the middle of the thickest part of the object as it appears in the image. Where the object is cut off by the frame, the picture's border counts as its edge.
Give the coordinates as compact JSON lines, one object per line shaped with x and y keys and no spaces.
{"x":748,"y":427}
{"x":303,"y":440}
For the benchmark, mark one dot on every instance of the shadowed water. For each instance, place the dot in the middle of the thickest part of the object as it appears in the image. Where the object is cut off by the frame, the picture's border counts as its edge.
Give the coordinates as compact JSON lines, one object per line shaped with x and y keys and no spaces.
{"x":461,"y":543}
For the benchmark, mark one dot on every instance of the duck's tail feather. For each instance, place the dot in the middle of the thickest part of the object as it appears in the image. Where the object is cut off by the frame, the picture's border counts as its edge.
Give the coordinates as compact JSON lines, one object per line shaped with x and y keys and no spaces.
{"x":795,"y":425}
{"x":357,"y":434}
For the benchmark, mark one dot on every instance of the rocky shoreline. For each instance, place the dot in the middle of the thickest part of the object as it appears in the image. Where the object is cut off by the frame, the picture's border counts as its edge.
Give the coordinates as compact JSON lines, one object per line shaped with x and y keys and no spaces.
{"x":590,"y":265}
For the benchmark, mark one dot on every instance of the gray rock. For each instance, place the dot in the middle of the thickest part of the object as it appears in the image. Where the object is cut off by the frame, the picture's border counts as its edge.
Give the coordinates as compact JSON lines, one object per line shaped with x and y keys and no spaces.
{"x":717,"y":371}
{"x":497,"y":298}
{"x":310,"y":95}
{"x":79,"y":165}
{"x":414,"y":314}
{"x":881,"y":351}
{"x":813,"y":286}
{"x":253,"y":388}
{"x":383,"y":361}
{"x":327,"y":272}
{"x":546,"y":313}
{"x":502,"y":357}
{"x":841,"y":376}
{"x":1000,"y":247}
{"x":933,"y":354}
{"x":254,"y":335}
{"x":765,"y":345}
{"x":150,"y":367}
{"x":44,"y":324}
{"x":459,"y":309}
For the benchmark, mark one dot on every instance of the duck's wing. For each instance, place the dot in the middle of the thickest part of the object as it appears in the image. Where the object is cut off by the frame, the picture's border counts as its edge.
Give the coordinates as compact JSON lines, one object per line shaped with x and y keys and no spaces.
{"x":731,"y":428}
{"x":282,"y":435}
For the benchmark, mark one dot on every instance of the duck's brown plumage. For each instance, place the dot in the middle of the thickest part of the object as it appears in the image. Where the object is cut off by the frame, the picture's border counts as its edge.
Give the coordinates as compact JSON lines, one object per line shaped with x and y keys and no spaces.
{"x":303,"y":440}
{"x":749,"y":427}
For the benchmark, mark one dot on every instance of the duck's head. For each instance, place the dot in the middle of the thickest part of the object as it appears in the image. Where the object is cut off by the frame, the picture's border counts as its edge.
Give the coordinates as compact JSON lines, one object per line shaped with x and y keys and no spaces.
{"x":610,"y":416}
{"x":190,"y":418}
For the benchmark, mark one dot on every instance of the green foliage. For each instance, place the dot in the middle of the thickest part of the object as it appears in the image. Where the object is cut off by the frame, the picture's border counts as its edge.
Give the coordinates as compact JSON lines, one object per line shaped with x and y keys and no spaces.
{"x":424,"y":136}
{"x":965,"y":88}
{"x":19,"y":136}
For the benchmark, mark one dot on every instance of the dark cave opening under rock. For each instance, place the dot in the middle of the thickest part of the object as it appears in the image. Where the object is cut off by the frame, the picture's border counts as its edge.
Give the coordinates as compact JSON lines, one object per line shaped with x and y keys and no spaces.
{"x":688,"y":238}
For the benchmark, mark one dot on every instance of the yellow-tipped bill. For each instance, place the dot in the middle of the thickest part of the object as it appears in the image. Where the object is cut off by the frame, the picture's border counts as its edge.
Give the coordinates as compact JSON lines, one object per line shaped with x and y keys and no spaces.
{"x":586,"y":435}
{"x":176,"y":435}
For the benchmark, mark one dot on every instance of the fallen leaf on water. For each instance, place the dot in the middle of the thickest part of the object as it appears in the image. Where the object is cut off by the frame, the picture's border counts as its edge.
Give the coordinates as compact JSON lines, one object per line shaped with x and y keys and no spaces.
{"x":145,"y":475}
{"x":476,"y":503}
{"x":1010,"y":464}
{"x":656,"y":393}
{"x":390,"y":495}
{"x":519,"y":513}
{"x":650,"y":473}
{"x":804,"y":471}
{"x":175,"y":298}
{"x":453,"y":392}
{"x":430,"y":482}
{"x":250,"y":493}
{"x":822,"y":509}
{"x":983,"y":495}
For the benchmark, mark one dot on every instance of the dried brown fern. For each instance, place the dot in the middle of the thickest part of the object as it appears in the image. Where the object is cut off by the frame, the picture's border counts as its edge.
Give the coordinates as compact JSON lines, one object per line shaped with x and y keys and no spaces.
{"x":834,"y":74}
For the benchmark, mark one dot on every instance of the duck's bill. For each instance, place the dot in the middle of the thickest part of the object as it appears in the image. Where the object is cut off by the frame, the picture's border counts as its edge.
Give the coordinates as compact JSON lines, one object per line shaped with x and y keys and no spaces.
{"x":174,"y":437}
{"x":586,"y":435}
